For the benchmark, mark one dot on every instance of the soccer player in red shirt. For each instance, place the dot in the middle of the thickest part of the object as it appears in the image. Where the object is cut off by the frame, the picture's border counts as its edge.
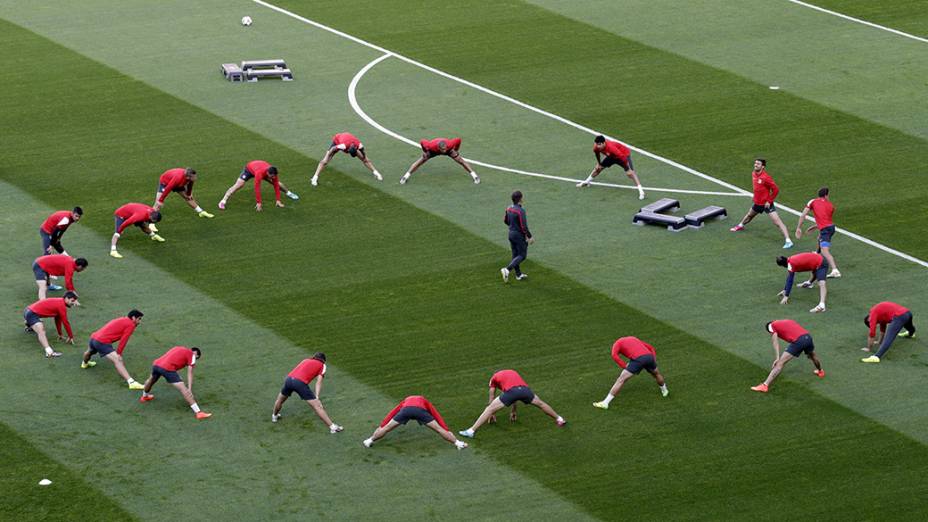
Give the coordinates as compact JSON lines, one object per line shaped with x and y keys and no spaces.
{"x":512,"y":389}
{"x":101,"y":343}
{"x":822,"y":209}
{"x":351,"y":145}
{"x":259,"y":170}
{"x":641,"y":356}
{"x":440,"y":147}
{"x":615,"y":154}
{"x":298,"y":381}
{"x":166,"y":366}
{"x":56,"y":307}
{"x":805,"y":262}
{"x":55,"y":226}
{"x":896,"y":317}
{"x":419,"y":409}
{"x":56,"y":265}
{"x":765,"y":192}
{"x":799,"y":342}
{"x":137,"y":214}
{"x":181,"y":181}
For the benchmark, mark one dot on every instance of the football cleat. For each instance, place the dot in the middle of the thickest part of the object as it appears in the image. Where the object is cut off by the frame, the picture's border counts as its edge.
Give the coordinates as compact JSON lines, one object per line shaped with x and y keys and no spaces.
{"x":222,"y":205}
{"x":601,"y":405}
{"x":561,"y":423}
{"x":146,"y":398}
{"x":156,"y":237}
{"x":788,"y":244}
{"x":335,"y":428}
{"x":205,"y":214}
{"x":818,"y":309}
{"x":505,"y":273}
{"x":292,"y":195}
{"x":520,"y":277}
{"x":469,"y":433}
{"x":115,"y":254}
{"x":805,"y":284}
{"x":736,"y":228}
{"x":88,"y":364}
{"x":760,"y":388}
{"x":136,"y":386}
{"x":871,"y":359}
{"x":378,"y":177}
{"x":368,"y":442}
{"x":404,"y":179}
{"x":52,"y":355}
{"x":275,"y":417}
{"x":820,"y":373}
{"x":314,"y":181}
{"x":203,"y":415}
{"x":908,"y":334}
{"x":55,"y":288}
{"x":476,"y":179}
{"x":834,"y":274}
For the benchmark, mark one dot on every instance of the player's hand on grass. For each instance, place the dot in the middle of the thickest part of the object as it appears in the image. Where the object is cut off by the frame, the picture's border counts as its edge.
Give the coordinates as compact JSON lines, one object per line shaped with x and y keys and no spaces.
{"x":531,"y":240}
{"x":513,"y":416}
{"x":798,"y":232}
{"x":258,"y":207}
{"x":492,"y":419}
{"x":279,"y":204}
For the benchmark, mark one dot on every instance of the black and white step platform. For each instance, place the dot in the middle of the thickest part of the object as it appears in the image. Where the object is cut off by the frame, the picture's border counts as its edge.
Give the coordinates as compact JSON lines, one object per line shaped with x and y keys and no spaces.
{"x":253,"y":70}
{"x":653,"y":214}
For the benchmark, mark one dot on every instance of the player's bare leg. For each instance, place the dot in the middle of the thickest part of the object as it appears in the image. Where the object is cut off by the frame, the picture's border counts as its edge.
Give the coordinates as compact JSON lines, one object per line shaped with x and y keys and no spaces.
{"x":370,"y":166}
{"x":747,"y":218}
{"x":777,"y":368}
{"x":488,"y":413}
{"x":39,"y":330}
{"x":624,"y":376}
{"x":815,"y":360}
{"x":460,"y":161}
{"x":787,"y":242}
{"x":380,"y":432}
{"x":278,"y":404}
{"x":192,"y":203}
{"x":120,"y":366}
{"x":822,"y":294}
{"x":634,"y":177}
{"x":43,"y":288}
{"x":661,"y":383}
{"x":322,"y":163}
{"x":826,"y":253}
{"x":543,"y":406}
{"x":445,"y":434}
{"x":413,"y":168}
{"x":239,"y":183}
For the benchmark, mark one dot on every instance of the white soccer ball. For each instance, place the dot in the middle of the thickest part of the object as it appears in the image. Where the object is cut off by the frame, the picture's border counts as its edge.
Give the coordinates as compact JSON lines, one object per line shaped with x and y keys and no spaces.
{"x":246,"y":21}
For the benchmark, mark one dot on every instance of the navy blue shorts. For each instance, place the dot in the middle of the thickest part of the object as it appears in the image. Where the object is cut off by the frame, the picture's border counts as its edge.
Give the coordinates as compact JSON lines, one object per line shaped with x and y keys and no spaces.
{"x":824,"y":236}
{"x":157,"y":372}
{"x":47,"y":242}
{"x":421,"y":415}
{"x":101,"y":348}
{"x":801,"y":345}
{"x":517,"y":393}
{"x":822,"y":271}
{"x":645,"y":362}
{"x":301,"y":388}
{"x":761,"y":209}
{"x":626,"y":164}
{"x":245,"y":175}
{"x":180,"y":188}
{"x":40,"y":275}
{"x":31,"y":317}
{"x":353,"y":154}
{"x":119,"y":222}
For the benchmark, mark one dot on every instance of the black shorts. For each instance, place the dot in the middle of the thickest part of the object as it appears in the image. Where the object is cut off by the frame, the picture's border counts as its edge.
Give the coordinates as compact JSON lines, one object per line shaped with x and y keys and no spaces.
{"x":245,"y":175}
{"x":346,"y":151}
{"x":626,"y":164}
{"x":517,"y":393}
{"x":824,"y":236}
{"x":180,"y":188}
{"x":645,"y":362}
{"x":157,"y":372}
{"x":761,"y":209}
{"x":801,"y":345}
{"x":822,"y":271}
{"x":101,"y":348}
{"x":421,"y":415}
{"x":47,"y":242}
{"x":40,"y":275}
{"x":31,"y":317}
{"x":301,"y":388}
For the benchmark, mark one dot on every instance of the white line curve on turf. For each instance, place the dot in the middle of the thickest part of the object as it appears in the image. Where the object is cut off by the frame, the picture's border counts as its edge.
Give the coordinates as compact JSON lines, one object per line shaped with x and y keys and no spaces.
{"x":859,"y":21}
{"x":575,"y":125}
{"x":353,"y":101}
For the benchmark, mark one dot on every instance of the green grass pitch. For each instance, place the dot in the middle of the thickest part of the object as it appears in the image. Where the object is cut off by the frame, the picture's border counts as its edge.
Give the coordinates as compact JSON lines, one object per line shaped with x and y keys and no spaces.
{"x":399,"y":285}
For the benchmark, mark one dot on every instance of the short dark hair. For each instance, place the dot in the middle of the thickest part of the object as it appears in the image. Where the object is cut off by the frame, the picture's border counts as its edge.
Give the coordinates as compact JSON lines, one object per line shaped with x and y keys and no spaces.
{"x":272,"y":170}
{"x":762,"y":161}
{"x":319,"y":356}
{"x":353,"y":150}
{"x":78,"y":210}
{"x":767,"y":326}
{"x":190,"y":172}
{"x":822,"y":192}
{"x":867,"y":320}
{"x":517,"y":196}
{"x":782,"y":261}
{"x":155,"y":216}
{"x":134,"y":314}
{"x":70,"y":295}
{"x":197,"y":351}
{"x":599,"y":139}
{"x":81,"y":262}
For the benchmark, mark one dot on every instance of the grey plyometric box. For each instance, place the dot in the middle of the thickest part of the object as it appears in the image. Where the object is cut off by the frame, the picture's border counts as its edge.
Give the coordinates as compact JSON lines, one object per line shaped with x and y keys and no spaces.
{"x":233,"y":72}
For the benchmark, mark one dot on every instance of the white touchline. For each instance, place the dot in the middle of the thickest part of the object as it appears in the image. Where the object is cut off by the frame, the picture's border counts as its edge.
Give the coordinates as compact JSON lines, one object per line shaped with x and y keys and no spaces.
{"x":565,"y":121}
{"x":859,"y":21}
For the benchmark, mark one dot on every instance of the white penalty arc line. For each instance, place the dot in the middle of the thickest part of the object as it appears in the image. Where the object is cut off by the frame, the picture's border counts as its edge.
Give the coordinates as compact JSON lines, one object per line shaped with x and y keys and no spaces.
{"x":353,"y":101}
{"x":565,"y":121}
{"x":859,"y":21}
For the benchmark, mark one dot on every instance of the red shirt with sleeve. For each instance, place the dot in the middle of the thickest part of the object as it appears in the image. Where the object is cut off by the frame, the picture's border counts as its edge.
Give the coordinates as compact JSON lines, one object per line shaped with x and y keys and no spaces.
{"x":132,"y":213}
{"x":415,"y":401}
{"x":307,"y":370}
{"x":506,"y":379}
{"x":59,"y":265}
{"x":53,"y":307}
{"x":172,"y":179}
{"x":119,"y":329}
{"x":615,"y":149}
{"x":788,"y":330}
{"x":345,"y":140}
{"x":258,"y":169}
{"x":431,"y":146}
{"x":883,"y":313}
{"x":765,"y":190}
{"x":804,"y":262}
{"x":822,"y":209}
{"x":176,"y":358}
{"x":60,"y":220}
{"x":631,"y":348}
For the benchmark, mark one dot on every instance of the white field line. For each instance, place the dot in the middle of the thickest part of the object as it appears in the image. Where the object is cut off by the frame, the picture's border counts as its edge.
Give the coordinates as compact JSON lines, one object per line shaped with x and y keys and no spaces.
{"x":859,"y":21}
{"x":353,"y":101}
{"x":577,"y":126}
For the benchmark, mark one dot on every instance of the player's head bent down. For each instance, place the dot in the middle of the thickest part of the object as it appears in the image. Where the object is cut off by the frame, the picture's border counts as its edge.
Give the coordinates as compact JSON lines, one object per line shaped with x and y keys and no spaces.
{"x":135,"y":315}
{"x":77,"y":213}
{"x":517,"y":197}
{"x":599,"y":142}
{"x":80,"y":264}
{"x":154,"y":216}
{"x":190,"y":174}
{"x":769,"y":327}
{"x":196,"y":351}
{"x":319,"y":356}
{"x":782,"y":261}
{"x":822,"y":192}
{"x":867,"y":320}
{"x":272,"y":171}
{"x":70,"y":299}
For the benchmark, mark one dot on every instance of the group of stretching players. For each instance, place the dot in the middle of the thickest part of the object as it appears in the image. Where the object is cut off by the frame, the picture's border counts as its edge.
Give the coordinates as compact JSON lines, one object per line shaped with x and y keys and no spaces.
{"x":639,"y":354}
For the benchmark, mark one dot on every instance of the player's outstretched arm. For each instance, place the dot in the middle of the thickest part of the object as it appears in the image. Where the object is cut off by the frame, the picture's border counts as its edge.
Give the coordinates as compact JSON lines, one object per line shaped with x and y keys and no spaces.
{"x":319,"y":386}
{"x":776,"y":348}
{"x":190,"y":379}
{"x":802,"y":217}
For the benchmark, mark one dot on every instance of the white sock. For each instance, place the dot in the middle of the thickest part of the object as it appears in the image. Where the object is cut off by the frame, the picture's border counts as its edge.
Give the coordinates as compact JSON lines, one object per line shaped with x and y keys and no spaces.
{"x":664,"y":387}
{"x":821,"y":304}
{"x":48,"y":350}
{"x":560,"y":419}
{"x":376,"y":173}
{"x":113,"y":248}
{"x":195,"y":408}
{"x":473,"y":174}
{"x":608,"y":398}
{"x":152,"y":234}
{"x":407,"y":174}
{"x":130,"y":380}
{"x":333,"y":426}
{"x":368,"y":442}
{"x":198,"y":209}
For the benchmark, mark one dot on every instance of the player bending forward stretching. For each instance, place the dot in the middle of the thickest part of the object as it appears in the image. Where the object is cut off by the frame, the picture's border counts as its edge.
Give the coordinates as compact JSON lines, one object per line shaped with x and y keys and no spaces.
{"x":419,"y":409}
{"x":512,"y":389}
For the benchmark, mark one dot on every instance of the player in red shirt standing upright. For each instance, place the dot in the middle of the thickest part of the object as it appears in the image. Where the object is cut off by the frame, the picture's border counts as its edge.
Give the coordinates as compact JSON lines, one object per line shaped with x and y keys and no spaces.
{"x":822,"y":209}
{"x":258,"y":170}
{"x":891,"y":318}
{"x":56,"y":265}
{"x":615,"y":154}
{"x":799,"y":342}
{"x":440,"y":147}
{"x":765,"y":192}
{"x":137,"y":214}
{"x":56,"y":307}
{"x":166,"y":366}
{"x":805,"y":262}
{"x":179,"y":180}
{"x":55,"y":226}
{"x":298,"y":381}
{"x":101,"y":343}
{"x":419,"y":409}
{"x":349,"y":144}
{"x":512,"y":389}
{"x":641,"y":356}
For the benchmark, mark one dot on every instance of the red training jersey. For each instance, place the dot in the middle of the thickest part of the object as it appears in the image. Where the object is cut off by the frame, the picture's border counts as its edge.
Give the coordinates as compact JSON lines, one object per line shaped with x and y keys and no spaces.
{"x":788,"y":330}
{"x":60,"y":220}
{"x":804,"y":262}
{"x":307,"y":370}
{"x":345,"y":140}
{"x":631,"y":348}
{"x":822,"y":209}
{"x":415,"y":401}
{"x":53,"y":307}
{"x":119,"y":329}
{"x":172,"y":179}
{"x":431,"y":146}
{"x":59,"y":265}
{"x":883,"y":313}
{"x":258,"y":169}
{"x":506,"y":379}
{"x":765,"y":190}
{"x":615,"y":149}
{"x":176,"y":358}
{"x":132,"y":213}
